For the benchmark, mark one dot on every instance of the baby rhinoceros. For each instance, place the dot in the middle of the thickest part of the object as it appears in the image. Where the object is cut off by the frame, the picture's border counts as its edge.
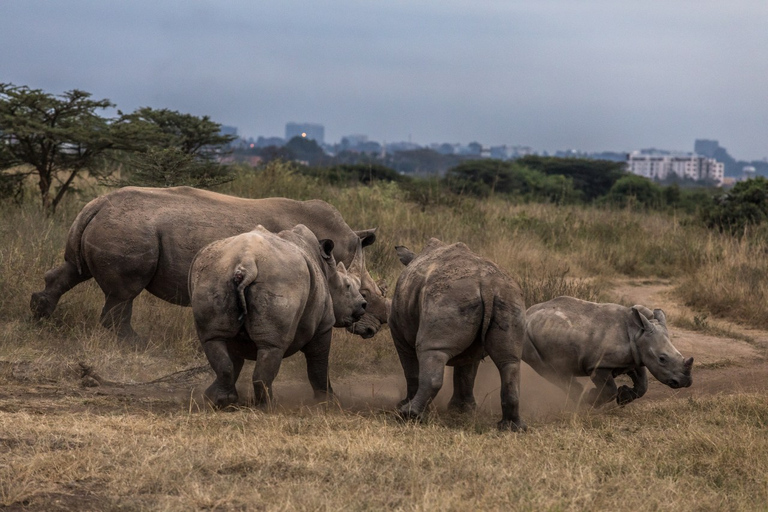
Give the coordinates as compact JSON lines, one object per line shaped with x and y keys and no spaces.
{"x":452,"y":307}
{"x":568,"y":337}
{"x":265,"y":296}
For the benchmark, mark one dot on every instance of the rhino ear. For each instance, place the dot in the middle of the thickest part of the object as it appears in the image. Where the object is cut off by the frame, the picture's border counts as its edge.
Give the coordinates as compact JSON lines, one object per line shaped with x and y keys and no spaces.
{"x":641,"y":320}
{"x":659,"y":315}
{"x":405,"y":254}
{"x":326,"y":248}
{"x":340,"y":268}
{"x":367,"y":236}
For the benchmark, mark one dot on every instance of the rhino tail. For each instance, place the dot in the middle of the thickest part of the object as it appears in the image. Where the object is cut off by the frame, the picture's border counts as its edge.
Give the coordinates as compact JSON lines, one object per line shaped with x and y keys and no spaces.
{"x":75,"y":237}
{"x":244,"y":276}
{"x":488,"y":298}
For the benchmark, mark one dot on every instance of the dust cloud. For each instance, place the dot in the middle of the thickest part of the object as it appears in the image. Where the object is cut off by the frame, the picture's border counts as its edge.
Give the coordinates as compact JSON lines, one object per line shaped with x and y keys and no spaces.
{"x":539,"y":398}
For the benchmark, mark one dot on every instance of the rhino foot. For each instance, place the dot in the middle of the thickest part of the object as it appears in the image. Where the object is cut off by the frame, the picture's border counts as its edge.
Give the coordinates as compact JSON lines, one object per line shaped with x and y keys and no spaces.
{"x":41,"y":305}
{"x":625,"y":395}
{"x":408,"y":414}
{"x":462,"y":406}
{"x":512,"y":426}
{"x":219,"y":397}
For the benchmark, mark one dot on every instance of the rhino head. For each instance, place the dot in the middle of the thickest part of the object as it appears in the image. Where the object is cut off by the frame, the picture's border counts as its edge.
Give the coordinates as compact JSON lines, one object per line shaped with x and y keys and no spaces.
{"x":348,"y":304}
{"x":377,"y":310}
{"x":655,"y":350}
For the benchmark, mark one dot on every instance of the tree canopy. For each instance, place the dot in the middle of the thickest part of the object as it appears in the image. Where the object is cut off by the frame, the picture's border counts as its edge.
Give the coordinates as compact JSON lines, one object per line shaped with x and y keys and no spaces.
{"x":58,"y":138}
{"x":487,"y":176}
{"x":55,"y":138}
{"x":593,"y":178}
{"x":168,"y":148}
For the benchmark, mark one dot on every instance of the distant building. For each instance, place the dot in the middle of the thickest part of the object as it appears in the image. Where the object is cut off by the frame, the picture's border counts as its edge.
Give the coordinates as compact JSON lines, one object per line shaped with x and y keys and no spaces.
{"x":505,"y":152}
{"x":263,"y":142}
{"x":660,"y":166}
{"x":354,"y":140}
{"x":315,"y":132}
{"x":394,"y":147}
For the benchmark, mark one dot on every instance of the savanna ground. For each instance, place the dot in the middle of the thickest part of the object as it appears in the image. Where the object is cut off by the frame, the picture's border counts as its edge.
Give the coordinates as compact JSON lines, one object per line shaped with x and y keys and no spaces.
{"x":87,"y":423}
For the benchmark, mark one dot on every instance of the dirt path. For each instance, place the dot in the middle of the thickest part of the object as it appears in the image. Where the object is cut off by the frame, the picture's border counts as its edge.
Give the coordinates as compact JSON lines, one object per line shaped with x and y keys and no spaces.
{"x":728,"y":359}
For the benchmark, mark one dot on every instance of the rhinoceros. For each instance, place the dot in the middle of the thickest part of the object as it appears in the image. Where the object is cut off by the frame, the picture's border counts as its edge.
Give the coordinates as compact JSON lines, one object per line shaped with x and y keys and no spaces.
{"x":145,"y":238}
{"x":265,"y":296}
{"x":568,"y":337}
{"x":452,"y":307}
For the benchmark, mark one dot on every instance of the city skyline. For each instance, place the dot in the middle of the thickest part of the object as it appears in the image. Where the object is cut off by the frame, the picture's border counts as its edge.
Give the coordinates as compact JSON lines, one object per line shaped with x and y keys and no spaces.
{"x":594,"y":76}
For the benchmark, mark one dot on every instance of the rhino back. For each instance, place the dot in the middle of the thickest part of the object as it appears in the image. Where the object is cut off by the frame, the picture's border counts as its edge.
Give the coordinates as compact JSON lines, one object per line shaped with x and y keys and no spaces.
{"x":574,"y":336}
{"x":159,"y":231}
{"x":448,"y":285}
{"x":276,"y":300}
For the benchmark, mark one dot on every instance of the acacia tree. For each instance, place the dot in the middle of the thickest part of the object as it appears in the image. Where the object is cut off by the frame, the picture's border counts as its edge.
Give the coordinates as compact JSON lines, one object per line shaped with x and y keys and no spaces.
{"x":170,"y":148}
{"x":55,"y":138}
{"x":148,"y":127}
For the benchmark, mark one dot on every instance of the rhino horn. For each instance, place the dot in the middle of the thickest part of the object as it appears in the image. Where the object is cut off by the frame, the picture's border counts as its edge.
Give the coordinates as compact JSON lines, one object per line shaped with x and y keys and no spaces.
{"x":367,"y":236}
{"x":688,"y":364}
{"x":383,"y":287}
{"x":405,"y":254}
{"x":659,"y":315}
{"x":326,"y":248}
{"x":357,"y":266}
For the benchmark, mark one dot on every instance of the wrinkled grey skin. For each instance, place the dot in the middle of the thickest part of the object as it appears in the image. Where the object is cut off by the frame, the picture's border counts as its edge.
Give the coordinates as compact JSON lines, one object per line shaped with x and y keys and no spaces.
{"x":145,"y":238}
{"x":452,"y":307}
{"x":265,"y":296}
{"x":568,"y":337}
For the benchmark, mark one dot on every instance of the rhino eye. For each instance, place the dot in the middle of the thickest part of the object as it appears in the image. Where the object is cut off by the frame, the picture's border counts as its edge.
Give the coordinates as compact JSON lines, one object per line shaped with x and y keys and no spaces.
{"x":662,"y":359}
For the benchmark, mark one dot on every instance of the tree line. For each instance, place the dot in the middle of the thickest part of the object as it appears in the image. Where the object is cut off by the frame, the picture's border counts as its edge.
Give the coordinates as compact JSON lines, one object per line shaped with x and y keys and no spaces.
{"x":59,"y":138}
{"x":56,"y":139}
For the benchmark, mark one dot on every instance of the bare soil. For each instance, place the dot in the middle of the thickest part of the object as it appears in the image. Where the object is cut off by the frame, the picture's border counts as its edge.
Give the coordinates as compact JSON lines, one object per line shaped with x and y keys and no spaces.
{"x":731,"y":361}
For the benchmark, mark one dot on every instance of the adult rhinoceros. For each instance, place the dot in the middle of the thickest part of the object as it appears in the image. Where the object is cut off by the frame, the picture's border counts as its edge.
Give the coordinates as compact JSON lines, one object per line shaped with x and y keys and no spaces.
{"x":568,"y":337}
{"x":145,"y":238}
{"x":265,"y":296}
{"x":452,"y":307}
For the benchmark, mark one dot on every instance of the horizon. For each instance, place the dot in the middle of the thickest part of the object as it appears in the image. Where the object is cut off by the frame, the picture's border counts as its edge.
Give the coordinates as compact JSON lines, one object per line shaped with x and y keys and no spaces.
{"x":553,"y":75}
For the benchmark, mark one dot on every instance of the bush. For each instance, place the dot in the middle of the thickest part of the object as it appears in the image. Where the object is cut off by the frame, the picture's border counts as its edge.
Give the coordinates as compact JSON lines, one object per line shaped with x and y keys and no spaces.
{"x":344,"y":174}
{"x":482,"y":178}
{"x":633,"y":189}
{"x":591,"y":178}
{"x":12,"y":186}
{"x":745,"y":205}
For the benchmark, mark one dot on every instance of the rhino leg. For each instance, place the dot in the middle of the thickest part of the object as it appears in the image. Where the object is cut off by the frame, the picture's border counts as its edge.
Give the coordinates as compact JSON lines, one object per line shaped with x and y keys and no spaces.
{"x":639,"y":378}
{"x":533,"y":358}
{"x":58,"y":281}
{"x":463,"y":399}
{"x":431,"y":368}
{"x":509,"y":370}
{"x":116,"y":315}
{"x":268,"y":360}
{"x":410,"y":364}
{"x":223,"y":391}
{"x":605,"y":388}
{"x":316,"y":353}
{"x":505,"y":347}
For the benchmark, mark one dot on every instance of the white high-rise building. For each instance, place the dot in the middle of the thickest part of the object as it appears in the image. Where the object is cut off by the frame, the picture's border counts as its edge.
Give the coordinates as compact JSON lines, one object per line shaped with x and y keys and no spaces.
{"x":660,"y":165}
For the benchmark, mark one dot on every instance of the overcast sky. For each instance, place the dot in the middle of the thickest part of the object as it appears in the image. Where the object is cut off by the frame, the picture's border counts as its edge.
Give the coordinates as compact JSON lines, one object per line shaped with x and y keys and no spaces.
{"x":551,"y":74}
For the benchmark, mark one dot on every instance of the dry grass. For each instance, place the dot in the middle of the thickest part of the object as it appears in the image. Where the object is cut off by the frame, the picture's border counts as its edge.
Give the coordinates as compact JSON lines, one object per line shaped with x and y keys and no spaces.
{"x":662,"y":456}
{"x":61,"y":446}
